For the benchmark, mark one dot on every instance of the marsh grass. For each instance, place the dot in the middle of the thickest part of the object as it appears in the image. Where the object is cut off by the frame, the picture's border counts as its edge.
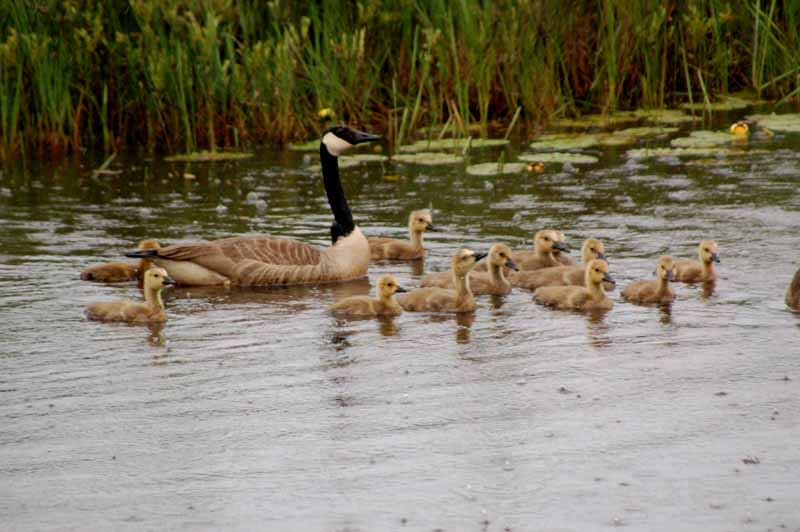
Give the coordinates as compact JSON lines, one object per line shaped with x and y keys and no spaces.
{"x":189,"y":75}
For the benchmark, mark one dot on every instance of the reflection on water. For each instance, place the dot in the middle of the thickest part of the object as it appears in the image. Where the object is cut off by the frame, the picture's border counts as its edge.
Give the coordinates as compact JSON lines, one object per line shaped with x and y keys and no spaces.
{"x":305,"y":421}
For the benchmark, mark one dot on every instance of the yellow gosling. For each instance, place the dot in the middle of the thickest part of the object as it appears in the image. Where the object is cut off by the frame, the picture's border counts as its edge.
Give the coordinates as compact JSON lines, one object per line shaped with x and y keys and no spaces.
{"x":546,"y":242}
{"x":391,"y":248}
{"x":590,"y":297}
{"x":740,"y":128}
{"x":657,"y":290}
{"x":433,"y":299}
{"x":492,"y":282}
{"x":692,"y":271}
{"x":563,"y":275}
{"x":118,"y":272}
{"x":793,"y":292}
{"x":149,"y":311}
{"x":364,"y":306}
{"x":563,"y":258}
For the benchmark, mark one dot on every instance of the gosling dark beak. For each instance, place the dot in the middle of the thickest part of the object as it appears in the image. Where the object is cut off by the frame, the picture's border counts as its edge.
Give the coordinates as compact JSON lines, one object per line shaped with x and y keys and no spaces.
{"x":669,"y":275}
{"x":561,"y":246}
{"x":431,"y":227}
{"x":169,"y":281}
{"x":479,"y":256}
{"x":602,"y":256}
{"x":513,"y":265}
{"x":360,"y":137}
{"x":607,"y":278}
{"x":715,"y":258}
{"x":400,"y":290}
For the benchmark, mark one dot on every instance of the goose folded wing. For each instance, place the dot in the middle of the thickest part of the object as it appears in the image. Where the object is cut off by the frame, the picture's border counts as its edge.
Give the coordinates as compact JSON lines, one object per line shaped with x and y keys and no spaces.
{"x":221,"y":255}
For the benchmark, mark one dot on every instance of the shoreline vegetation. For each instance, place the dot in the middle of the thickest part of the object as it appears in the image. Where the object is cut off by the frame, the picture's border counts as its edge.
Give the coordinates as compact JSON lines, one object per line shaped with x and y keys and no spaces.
{"x":180,"y":76}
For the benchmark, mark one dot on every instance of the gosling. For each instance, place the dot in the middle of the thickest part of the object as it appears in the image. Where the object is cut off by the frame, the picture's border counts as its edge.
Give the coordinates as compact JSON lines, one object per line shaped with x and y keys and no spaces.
{"x":393,"y":249}
{"x":546,"y":242}
{"x":692,"y":271}
{"x":151,"y":311}
{"x":740,"y":128}
{"x":118,"y":272}
{"x":493,"y":282}
{"x":364,"y":306}
{"x":793,"y":292}
{"x":564,"y":258}
{"x":434,"y":299}
{"x":591,"y":297}
{"x":563,"y":275}
{"x":657,"y":290}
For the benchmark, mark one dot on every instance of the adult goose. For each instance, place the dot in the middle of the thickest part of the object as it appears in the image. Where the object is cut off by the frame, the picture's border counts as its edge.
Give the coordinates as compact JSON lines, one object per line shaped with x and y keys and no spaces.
{"x":793,"y":292}
{"x":264,"y":260}
{"x":117,"y":272}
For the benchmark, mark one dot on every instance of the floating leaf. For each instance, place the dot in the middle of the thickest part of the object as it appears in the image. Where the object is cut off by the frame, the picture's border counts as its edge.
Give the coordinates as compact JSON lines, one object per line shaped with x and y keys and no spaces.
{"x":349,"y":161}
{"x":687,"y":152}
{"x":428,"y":158}
{"x":208,"y":156}
{"x":311,"y":145}
{"x":451,"y":144}
{"x":558,"y":157}
{"x":489,"y":169}
{"x":727,"y":103}
{"x":785,"y":122}
{"x":666,"y":116}
{"x":565,"y":141}
{"x":605,"y":121}
{"x":702,"y":139}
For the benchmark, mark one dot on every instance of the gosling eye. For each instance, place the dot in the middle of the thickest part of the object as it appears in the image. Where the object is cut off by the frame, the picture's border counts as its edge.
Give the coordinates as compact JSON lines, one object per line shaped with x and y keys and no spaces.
{"x":597,"y":270}
{"x":547,"y":239}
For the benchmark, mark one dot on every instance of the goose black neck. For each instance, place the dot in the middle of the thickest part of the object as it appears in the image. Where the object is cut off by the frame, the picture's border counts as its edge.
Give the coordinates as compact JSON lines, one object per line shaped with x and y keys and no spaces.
{"x":334,"y":191}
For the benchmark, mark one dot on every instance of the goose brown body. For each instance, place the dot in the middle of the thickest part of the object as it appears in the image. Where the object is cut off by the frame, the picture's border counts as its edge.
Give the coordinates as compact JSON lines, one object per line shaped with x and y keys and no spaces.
{"x":149,"y":311}
{"x":413,"y":248}
{"x":364,"y":306}
{"x":118,"y":272}
{"x":692,"y":271}
{"x":434,"y":299}
{"x":492,"y":282}
{"x":590,"y":297}
{"x":563,"y":275}
{"x":656,"y":290}
{"x":793,"y":292}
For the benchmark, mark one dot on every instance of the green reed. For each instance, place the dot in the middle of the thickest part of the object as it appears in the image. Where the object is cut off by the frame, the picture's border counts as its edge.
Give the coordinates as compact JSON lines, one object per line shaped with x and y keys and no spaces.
{"x":179,"y":75}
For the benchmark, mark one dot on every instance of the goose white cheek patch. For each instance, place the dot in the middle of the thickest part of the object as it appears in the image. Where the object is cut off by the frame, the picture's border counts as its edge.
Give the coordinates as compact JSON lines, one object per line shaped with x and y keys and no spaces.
{"x":335,"y":144}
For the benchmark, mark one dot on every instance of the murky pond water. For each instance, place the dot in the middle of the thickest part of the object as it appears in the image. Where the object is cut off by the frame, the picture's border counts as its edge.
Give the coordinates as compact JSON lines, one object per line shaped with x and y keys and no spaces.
{"x":255,"y":409}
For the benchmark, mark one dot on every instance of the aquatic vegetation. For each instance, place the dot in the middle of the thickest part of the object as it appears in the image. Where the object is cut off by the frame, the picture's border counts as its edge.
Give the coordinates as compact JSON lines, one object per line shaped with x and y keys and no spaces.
{"x":694,"y":151}
{"x":204,"y":156}
{"x":666,"y":116}
{"x":350,"y":161}
{"x":451,"y":144}
{"x":428,"y":158}
{"x":558,"y":157}
{"x":786,"y":122}
{"x":490,"y":169}
{"x":599,"y":120}
{"x":729,"y":103}
{"x":703,"y":139}
{"x":565,"y":141}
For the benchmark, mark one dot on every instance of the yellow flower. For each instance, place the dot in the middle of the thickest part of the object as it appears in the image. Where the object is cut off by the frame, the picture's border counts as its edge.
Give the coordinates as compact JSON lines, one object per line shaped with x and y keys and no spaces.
{"x":326,"y":113}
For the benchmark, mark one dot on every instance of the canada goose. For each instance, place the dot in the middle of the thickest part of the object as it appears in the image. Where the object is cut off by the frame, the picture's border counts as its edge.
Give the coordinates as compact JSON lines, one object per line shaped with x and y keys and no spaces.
{"x":563,"y":275}
{"x":444,"y":299}
{"x":391,"y":248}
{"x":117,"y":272}
{"x":493,"y":282}
{"x":692,"y":271}
{"x":152,"y":310}
{"x":591,"y":297}
{"x":563,"y":258}
{"x":793,"y":292}
{"x":740,"y":128}
{"x":364,"y":306}
{"x":263,"y":260}
{"x":656,"y":290}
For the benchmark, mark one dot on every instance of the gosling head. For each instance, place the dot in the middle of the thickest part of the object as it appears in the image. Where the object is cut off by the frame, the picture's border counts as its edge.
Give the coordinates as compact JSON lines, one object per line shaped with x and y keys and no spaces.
{"x":708,"y":252}
{"x":157,"y":278}
{"x":593,"y":249}
{"x":597,"y":273}
{"x":421,"y":221}
{"x":549,"y":240}
{"x":388,"y":286}
{"x":740,"y":128}
{"x":464,"y":260}
{"x":148,"y":244}
{"x":665,"y":268}
{"x":338,"y":139}
{"x":500,"y":255}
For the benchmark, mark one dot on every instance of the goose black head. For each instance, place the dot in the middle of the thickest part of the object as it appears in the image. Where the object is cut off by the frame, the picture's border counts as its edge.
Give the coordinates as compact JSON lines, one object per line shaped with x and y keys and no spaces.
{"x":339,"y":138}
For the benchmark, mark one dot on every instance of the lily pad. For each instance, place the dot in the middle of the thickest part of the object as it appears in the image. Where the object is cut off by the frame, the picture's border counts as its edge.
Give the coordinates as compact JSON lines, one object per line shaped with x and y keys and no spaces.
{"x":349,"y":161}
{"x":609,"y":120}
{"x":633,"y":134}
{"x":785,"y":122}
{"x":428,"y":158}
{"x":310,"y":145}
{"x":565,"y":141}
{"x":558,"y":157}
{"x":716,"y":151}
{"x":203,"y":156}
{"x":666,"y":116}
{"x":726,"y":103}
{"x":702,"y":139}
{"x":490,"y":169}
{"x":451,"y":144}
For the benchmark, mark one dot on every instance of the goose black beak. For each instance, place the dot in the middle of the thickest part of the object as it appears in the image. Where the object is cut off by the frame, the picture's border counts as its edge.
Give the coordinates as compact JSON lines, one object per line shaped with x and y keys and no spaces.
{"x":513,"y":265}
{"x":431,"y":227}
{"x":169,"y":281}
{"x":360,"y":137}
{"x":607,"y":278}
{"x":400,"y":290}
{"x":479,"y":256}
{"x":561,"y":246}
{"x":669,"y":275}
{"x":715,"y":258}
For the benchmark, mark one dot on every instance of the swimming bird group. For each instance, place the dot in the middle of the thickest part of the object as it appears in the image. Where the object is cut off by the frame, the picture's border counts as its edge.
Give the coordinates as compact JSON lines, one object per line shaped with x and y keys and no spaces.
{"x":267,"y":261}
